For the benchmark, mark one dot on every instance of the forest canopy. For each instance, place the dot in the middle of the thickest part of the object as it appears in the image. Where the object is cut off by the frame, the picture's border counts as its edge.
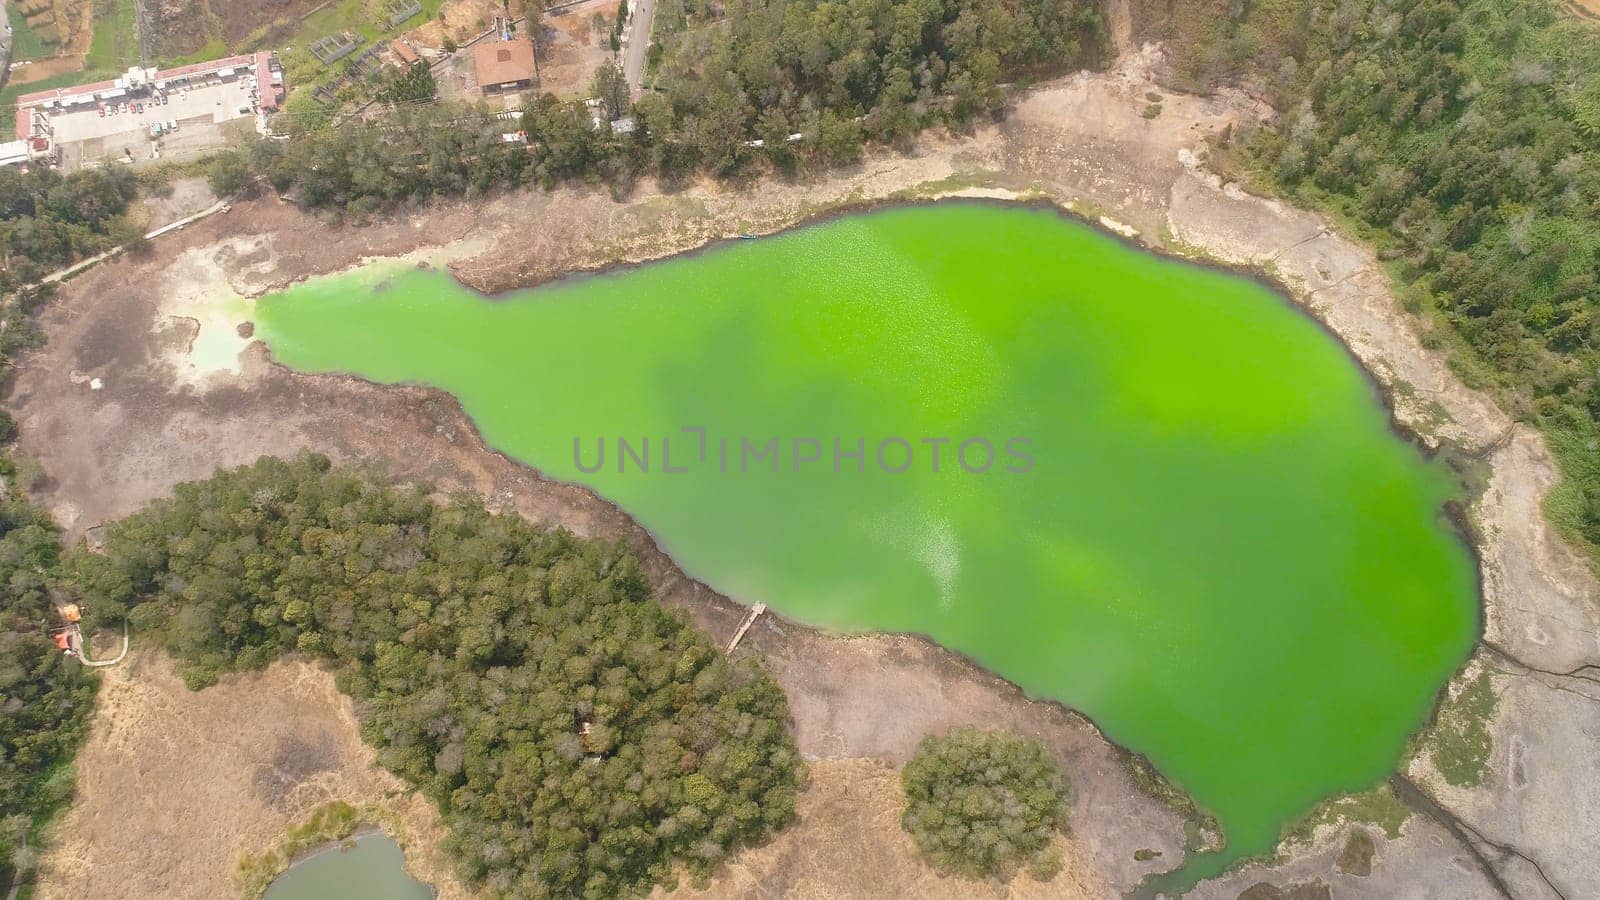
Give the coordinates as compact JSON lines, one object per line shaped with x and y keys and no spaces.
{"x":984,"y":803}
{"x":45,"y":699}
{"x":48,"y":220}
{"x":579,"y":739}
{"x":1463,"y":137}
{"x":736,"y":85}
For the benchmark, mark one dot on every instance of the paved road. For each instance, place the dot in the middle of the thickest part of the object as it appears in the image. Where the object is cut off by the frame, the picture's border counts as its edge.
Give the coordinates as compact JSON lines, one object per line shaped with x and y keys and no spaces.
{"x":644,"y":15}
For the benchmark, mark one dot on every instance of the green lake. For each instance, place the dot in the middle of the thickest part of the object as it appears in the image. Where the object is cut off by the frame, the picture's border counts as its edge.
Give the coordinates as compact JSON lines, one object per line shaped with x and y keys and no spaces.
{"x":372,"y":869}
{"x":1167,"y":499}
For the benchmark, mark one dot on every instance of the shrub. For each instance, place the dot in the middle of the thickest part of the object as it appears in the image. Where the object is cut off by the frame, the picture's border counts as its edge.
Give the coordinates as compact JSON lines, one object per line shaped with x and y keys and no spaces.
{"x":228,"y":173}
{"x":983,"y":803}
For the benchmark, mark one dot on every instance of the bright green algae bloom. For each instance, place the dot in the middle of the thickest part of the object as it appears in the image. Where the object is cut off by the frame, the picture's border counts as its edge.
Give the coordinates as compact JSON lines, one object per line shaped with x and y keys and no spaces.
{"x":1218,"y":550}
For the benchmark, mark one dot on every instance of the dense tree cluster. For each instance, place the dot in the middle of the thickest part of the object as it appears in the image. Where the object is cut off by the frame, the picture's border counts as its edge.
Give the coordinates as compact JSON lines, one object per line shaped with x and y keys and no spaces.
{"x":735,"y":87}
{"x":1464,"y":137}
{"x":579,"y":739}
{"x":227,"y":173}
{"x":983,"y":803}
{"x":416,"y":154}
{"x":841,"y":71}
{"x":1469,"y":132}
{"x":49,"y":220}
{"x":410,"y":85}
{"x":45,"y":699}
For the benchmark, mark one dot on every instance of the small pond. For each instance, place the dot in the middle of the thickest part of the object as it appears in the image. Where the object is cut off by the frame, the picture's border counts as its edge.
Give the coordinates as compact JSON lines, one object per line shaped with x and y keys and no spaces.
{"x":372,"y":869}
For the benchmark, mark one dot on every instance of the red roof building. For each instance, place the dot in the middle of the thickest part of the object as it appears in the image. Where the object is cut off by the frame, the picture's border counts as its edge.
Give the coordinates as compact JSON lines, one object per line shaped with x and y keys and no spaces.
{"x":404,"y":51}
{"x":264,"y":66}
{"x":503,"y":66}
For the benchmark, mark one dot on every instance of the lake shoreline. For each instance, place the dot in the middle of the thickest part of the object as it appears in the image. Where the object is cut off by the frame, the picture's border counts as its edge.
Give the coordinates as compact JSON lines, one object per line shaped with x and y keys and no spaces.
{"x":1378,"y":392}
{"x":1133,"y":173}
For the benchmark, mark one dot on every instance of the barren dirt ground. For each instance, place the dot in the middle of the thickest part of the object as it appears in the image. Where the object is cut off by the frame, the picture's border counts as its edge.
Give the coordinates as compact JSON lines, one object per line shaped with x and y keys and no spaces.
{"x":184,"y":197}
{"x":458,"y":21}
{"x":212,"y":776}
{"x":572,"y":48}
{"x":156,"y":419}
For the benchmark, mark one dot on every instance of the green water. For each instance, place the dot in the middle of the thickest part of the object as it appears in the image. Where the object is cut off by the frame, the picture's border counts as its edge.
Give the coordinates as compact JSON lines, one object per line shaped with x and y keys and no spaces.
{"x":374,"y":869}
{"x":1219,"y":551}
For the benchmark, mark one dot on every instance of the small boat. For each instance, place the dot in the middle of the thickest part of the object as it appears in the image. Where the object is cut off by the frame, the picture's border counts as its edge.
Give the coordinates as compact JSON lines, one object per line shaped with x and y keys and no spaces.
{"x":748,"y":237}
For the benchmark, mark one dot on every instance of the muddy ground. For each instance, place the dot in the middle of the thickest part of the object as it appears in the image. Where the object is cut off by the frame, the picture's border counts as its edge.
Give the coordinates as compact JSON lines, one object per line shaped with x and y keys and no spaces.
{"x":159,"y":416}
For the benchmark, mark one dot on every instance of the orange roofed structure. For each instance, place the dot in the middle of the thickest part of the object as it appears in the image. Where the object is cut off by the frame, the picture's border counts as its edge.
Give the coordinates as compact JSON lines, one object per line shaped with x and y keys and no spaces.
{"x":504,"y":66}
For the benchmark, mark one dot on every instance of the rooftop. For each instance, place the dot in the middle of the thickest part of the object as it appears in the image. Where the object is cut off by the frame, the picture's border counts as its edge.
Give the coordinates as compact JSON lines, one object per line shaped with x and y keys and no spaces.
{"x":501,"y":62}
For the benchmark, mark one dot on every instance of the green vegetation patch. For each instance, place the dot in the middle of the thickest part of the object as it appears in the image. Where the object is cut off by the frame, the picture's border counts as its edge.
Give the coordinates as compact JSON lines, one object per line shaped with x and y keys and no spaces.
{"x":25,"y":42}
{"x":332,"y":821}
{"x":984,"y":803}
{"x":1459,"y":743}
{"x":579,"y":739}
{"x":115,"y":43}
{"x":46,"y":699}
{"x":1378,"y":807}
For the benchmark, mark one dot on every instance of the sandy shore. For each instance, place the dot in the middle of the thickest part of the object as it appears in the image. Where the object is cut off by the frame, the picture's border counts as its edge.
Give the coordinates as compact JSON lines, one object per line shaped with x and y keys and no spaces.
{"x":163,"y":414}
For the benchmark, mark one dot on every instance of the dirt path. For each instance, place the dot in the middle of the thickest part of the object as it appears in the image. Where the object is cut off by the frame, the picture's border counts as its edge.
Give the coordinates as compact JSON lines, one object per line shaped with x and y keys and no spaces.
{"x":1081,"y":142}
{"x":1119,"y":22}
{"x":179,"y":225}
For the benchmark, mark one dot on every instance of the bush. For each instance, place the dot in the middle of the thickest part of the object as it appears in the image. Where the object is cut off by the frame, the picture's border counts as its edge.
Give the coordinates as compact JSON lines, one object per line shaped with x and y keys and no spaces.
{"x":228,"y":173}
{"x":984,"y":803}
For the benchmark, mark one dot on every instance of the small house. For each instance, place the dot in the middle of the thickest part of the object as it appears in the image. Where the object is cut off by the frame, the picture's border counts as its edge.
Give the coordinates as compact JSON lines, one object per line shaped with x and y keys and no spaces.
{"x":504,"y":67}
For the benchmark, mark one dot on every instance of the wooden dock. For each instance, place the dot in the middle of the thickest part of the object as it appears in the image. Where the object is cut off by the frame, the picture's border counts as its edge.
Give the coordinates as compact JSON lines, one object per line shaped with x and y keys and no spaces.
{"x":755,"y":613}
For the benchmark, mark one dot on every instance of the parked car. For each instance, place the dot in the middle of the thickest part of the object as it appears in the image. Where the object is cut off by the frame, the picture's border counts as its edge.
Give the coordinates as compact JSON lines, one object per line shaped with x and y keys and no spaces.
{"x":102,"y":112}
